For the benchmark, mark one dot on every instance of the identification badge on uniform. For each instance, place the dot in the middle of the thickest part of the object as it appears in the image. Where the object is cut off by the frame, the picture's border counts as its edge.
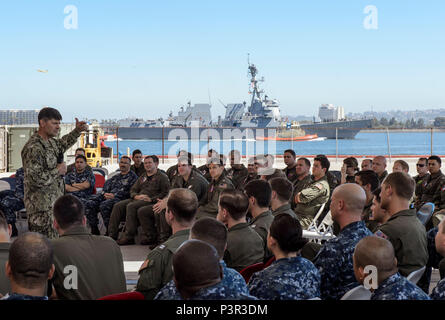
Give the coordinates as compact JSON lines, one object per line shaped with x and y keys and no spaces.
{"x":380,"y":234}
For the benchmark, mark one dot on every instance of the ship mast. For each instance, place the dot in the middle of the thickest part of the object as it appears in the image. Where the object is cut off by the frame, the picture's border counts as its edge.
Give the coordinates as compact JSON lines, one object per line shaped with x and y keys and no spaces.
{"x":253,"y":71}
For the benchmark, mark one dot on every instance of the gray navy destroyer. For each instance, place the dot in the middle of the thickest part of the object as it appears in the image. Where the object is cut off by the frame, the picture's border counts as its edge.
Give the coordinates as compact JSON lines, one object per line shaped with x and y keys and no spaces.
{"x":261,"y":120}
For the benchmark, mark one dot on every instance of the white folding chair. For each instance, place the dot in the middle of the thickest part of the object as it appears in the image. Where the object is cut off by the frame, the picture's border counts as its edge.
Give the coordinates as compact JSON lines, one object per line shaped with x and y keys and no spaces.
{"x":313,"y":226}
{"x":358,"y":293}
{"x":322,"y":231}
{"x":415,"y":276}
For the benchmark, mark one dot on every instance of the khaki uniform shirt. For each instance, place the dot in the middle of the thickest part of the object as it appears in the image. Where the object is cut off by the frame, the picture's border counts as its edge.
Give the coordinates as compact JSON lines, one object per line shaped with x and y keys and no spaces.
{"x":157,"y":270}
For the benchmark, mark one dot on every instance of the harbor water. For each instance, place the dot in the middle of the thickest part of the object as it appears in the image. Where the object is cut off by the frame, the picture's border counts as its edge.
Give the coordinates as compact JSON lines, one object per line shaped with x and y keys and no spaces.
{"x":365,"y":143}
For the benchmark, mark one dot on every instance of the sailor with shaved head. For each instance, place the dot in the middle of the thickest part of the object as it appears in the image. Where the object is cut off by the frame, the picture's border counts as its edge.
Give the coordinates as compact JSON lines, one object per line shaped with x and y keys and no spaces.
{"x":378,"y":254}
{"x":379,"y":167}
{"x":198,"y":273}
{"x":213,"y":232}
{"x":334,"y":261}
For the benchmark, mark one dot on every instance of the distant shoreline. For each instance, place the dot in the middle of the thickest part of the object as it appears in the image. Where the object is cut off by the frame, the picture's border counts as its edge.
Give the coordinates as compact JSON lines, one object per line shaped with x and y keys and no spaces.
{"x":402,"y":130}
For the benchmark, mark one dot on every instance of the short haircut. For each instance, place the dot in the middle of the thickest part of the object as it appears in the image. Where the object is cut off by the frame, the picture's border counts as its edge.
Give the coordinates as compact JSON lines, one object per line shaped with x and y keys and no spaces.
{"x":137,"y":151}
{"x":288,"y":233}
{"x":80,"y":156}
{"x":153,"y":157}
{"x":216,"y":160}
{"x":183,"y":204}
{"x":378,"y":252}
{"x":181,"y":151}
{"x":423,"y":159}
{"x":126,"y":157}
{"x":235,"y":152}
{"x":186,"y":158}
{"x":196,"y":265}
{"x":235,"y":202}
{"x":283,"y":187}
{"x":211,"y":231}
{"x":30,"y":259}
{"x":260,"y":190}
{"x":351,"y":162}
{"x":324,"y":162}
{"x":376,"y":194}
{"x":369,"y":177}
{"x":68,"y":211}
{"x":292,"y":152}
{"x":306,"y":161}
{"x":402,"y":184}
{"x":212,"y":151}
{"x":437,"y":158}
{"x":370,"y":160}
{"x":403,"y":163}
{"x":3,"y":221}
{"x":49,"y":114}
{"x":80,"y":149}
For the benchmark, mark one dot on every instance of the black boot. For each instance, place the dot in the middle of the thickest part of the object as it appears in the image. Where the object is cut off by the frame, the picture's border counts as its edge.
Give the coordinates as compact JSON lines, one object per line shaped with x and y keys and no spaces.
{"x":15,"y":232}
{"x":95,"y":230}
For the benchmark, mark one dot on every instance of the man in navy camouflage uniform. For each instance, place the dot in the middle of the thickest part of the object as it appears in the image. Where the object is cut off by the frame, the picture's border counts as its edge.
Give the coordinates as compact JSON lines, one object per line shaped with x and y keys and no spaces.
{"x":215,"y":233}
{"x":13,"y":200}
{"x":80,"y":182}
{"x":388,"y":284}
{"x":334,"y":260}
{"x":207,"y":284}
{"x":115,"y":189}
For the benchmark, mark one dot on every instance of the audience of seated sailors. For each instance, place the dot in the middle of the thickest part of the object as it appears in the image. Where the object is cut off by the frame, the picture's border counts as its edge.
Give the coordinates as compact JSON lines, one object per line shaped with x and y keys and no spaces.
{"x":400,"y":243}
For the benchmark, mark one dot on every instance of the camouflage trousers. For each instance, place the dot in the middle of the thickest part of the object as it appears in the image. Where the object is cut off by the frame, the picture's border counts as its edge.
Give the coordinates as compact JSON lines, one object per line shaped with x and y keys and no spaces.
{"x":42,"y":222}
{"x":10,"y":204}
{"x":98,"y":203}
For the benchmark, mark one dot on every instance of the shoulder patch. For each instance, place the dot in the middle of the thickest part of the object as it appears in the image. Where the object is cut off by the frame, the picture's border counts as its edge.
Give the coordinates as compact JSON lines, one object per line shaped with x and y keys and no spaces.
{"x":380,"y":234}
{"x":319,"y":186}
{"x":147,"y":263}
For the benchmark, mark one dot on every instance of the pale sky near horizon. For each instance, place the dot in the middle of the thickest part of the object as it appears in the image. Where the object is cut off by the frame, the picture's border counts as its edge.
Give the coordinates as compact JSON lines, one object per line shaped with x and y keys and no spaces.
{"x":145,"y":58}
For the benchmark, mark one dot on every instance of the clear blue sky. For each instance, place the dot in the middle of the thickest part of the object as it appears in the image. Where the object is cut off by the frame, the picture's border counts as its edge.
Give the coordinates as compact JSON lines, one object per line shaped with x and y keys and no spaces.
{"x":145,"y":58}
